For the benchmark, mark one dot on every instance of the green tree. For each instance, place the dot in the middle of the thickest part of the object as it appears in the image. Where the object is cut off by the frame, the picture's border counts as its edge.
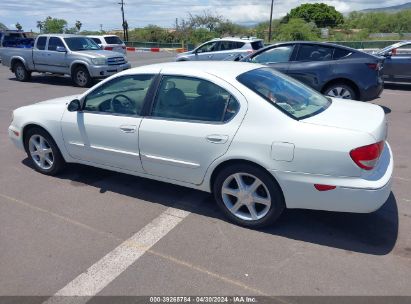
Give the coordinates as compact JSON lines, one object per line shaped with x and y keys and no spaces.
{"x":54,"y":25}
{"x":297,"y":29}
{"x":321,"y":14}
{"x":18,"y":26}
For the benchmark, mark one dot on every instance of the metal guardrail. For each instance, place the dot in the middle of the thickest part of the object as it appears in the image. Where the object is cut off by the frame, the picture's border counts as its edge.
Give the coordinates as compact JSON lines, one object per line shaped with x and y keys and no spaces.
{"x":371,"y":44}
{"x":148,"y":44}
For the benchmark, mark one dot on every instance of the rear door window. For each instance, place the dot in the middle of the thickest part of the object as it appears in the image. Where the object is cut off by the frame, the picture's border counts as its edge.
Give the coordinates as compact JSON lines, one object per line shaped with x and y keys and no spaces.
{"x":41,"y":43}
{"x":194,"y":99}
{"x":309,"y":52}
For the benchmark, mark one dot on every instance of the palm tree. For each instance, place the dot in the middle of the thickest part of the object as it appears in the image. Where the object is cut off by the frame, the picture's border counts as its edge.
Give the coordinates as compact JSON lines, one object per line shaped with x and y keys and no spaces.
{"x":40,"y":25}
{"x":78,"y":25}
{"x":18,"y":26}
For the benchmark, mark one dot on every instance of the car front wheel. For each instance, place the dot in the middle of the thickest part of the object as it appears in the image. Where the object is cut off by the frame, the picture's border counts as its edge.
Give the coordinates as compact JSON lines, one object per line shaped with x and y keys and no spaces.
{"x":248,"y":195}
{"x":43,"y":152}
{"x":81,"y":77}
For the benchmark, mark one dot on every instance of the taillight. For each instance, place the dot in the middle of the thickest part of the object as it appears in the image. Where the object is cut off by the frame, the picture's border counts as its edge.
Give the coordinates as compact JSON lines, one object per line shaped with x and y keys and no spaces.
{"x":108,"y":48}
{"x":366,"y":157}
{"x":374,"y":66}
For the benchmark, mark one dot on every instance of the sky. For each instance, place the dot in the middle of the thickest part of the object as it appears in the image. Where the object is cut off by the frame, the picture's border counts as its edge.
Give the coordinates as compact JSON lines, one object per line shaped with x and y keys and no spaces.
{"x":140,"y":13}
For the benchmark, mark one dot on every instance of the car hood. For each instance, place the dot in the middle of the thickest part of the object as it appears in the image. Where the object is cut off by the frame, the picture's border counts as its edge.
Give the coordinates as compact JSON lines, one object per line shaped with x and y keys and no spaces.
{"x":353,"y":115}
{"x":98,"y":54}
{"x":184,"y":53}
{"x":59,"y":100}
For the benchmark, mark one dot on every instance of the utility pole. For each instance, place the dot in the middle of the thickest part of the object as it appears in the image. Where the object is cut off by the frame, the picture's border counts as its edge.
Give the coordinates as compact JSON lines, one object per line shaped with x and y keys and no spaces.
{"x":271,"y":21}
{"x":125,"y":25}
{"x":101,"y":28}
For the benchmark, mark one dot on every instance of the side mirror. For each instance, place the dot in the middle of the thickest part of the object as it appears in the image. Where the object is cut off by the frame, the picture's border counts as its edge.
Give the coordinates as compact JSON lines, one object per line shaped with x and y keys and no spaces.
{"x":74,"y":106}
{"x":61,"y":49}
{"x":388,"y":54}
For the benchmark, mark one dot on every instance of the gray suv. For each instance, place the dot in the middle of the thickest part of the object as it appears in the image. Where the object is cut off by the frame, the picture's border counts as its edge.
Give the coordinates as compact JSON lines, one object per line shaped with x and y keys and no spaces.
{"x":223,"y":49}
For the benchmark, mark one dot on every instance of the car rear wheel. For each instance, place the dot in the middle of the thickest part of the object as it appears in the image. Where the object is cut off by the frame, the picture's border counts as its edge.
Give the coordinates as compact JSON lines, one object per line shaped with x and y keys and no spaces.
{"x":340,"y":90}
{"x":81,"y":77}
{"x":43,"y":152}
{"x":21,"y":72}
{"x":248,"y":195}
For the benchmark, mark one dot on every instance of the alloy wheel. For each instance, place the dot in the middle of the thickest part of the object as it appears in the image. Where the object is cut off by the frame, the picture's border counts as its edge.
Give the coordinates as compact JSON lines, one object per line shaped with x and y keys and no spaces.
{"x":339,"y":92}
{"x":246,"y":196}
{"x":41,"y":152}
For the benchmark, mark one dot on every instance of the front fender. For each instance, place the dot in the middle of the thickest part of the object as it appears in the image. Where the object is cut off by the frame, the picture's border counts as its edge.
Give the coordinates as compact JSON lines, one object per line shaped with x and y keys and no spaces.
{"x":80,"y":62}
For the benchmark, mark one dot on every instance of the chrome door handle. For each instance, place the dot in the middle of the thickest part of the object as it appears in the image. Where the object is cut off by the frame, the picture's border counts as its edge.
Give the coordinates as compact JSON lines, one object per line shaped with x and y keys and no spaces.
{"x":217,"y":139}
{"x":128,"y":129}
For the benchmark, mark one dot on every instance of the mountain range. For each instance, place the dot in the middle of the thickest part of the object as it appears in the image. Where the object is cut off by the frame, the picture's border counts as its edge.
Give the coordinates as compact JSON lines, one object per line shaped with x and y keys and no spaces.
{"x":389,"y":9}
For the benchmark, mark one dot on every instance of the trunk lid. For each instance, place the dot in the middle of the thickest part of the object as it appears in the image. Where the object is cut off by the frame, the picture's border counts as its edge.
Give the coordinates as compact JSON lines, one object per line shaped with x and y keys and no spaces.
{"x":353,"y":115}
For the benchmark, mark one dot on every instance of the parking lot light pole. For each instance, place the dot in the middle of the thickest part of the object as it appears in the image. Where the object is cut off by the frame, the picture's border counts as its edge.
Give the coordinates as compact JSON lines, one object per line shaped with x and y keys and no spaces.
{"x":271,"y":20}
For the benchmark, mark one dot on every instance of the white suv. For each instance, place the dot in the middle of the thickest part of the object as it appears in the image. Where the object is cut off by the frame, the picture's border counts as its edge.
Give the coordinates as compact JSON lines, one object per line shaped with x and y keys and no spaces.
{"x":110,"y":43}
{"x":222,"y":49}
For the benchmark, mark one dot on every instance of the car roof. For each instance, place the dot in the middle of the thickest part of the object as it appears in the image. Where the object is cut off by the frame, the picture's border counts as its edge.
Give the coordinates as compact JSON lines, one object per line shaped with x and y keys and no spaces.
{"x":221,"y":69}
{"x":101,"y":36}
{"x":240,"y":39}
{"x":319,"y":43}
{"x":60,"y":35}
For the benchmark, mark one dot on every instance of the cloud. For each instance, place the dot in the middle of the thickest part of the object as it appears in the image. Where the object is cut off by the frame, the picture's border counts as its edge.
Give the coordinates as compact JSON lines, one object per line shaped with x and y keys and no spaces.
{"x":139,"y":13}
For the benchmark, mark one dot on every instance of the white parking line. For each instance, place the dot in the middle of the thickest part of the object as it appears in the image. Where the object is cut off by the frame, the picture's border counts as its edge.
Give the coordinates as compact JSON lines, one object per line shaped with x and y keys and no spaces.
{"x":102,"y":273}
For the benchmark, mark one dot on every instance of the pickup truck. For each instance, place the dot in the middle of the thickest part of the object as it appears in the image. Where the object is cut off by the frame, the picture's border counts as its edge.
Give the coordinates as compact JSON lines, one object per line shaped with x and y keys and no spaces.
{"x":62,"y":54}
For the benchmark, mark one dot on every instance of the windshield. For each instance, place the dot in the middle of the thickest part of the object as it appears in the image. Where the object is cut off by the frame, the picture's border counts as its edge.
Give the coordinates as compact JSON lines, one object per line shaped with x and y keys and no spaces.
{"x":289,"y":95}
{"x":81,"y":44}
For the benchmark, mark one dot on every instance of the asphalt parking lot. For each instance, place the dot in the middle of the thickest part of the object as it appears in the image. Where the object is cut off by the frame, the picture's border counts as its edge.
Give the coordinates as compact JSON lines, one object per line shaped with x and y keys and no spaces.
{"x":55,"y":229}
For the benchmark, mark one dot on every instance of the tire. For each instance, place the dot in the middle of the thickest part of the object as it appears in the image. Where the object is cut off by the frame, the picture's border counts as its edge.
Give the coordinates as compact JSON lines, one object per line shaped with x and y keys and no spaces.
{"x":81,"y":77}
{"x":227,"y":196}
{"x":340,"y":90}
{"x":21,"y":72}
{"x":43,"y":152}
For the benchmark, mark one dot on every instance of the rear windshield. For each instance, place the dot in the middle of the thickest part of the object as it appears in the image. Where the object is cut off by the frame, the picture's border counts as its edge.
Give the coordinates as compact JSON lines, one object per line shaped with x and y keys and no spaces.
{"x":113,"y":40}
{"x":256,"y":45}
{"x":287,"y":94}
{"x":81,"y":44}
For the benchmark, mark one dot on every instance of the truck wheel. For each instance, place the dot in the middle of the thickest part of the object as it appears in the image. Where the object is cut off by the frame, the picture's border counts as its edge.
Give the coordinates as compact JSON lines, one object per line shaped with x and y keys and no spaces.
{"x":81,"y":77}
{"x":21,"y":72}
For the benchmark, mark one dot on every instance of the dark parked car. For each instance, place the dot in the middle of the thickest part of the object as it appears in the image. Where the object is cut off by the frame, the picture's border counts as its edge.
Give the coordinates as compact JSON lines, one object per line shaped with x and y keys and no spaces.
{"x":397,"y":64}
{"x":331,"y":69}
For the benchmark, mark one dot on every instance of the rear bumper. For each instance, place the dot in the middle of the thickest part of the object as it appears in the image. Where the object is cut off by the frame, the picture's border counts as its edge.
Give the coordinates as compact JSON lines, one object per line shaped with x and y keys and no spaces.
{"x":372,"y":92}
{"x":359,"y":195}
{"x":104,"y":71}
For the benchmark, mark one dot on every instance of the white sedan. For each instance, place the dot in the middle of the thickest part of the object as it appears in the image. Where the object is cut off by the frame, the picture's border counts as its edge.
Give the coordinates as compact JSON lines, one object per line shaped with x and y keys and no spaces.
{"x":257,"y":139}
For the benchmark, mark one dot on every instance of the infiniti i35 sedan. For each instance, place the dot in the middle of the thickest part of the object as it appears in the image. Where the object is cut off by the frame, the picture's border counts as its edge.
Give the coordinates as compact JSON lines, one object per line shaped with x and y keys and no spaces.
{"x":258,"y":140}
